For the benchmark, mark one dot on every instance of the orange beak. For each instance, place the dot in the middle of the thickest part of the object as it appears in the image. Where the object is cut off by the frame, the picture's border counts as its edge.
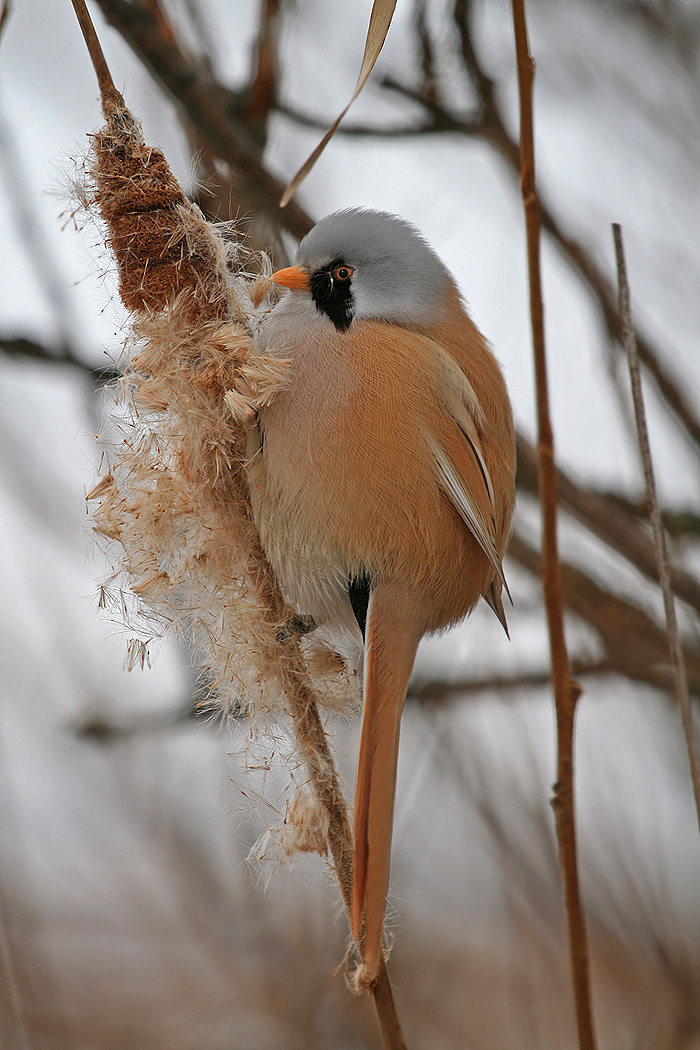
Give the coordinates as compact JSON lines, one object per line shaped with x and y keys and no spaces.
{"x":292,"y":277}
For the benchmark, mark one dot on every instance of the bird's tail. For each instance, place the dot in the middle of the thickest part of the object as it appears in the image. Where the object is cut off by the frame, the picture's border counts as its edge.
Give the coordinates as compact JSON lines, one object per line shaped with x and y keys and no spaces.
{"x":392,"y":637}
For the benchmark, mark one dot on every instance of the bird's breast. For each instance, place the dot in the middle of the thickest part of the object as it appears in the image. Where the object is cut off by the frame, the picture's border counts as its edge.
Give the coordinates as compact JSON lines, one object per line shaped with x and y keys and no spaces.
{"x":346,"y":482}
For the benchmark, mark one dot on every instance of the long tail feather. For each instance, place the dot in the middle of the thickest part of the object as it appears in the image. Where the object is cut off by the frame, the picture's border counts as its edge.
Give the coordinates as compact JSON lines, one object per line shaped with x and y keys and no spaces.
{"x":391,"y":641}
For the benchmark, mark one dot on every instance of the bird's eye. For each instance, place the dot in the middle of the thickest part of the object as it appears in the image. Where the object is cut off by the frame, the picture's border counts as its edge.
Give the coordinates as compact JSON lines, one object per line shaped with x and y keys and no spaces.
{"x":342,"y":273}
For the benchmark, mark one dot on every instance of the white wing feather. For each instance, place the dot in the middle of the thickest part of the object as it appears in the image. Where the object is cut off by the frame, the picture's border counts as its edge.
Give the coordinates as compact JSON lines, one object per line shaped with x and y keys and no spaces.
{"x":464,"y":407}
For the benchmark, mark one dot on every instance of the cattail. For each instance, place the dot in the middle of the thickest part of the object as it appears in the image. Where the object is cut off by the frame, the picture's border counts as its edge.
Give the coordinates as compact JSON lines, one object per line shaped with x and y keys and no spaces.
{"x":175,"y":498}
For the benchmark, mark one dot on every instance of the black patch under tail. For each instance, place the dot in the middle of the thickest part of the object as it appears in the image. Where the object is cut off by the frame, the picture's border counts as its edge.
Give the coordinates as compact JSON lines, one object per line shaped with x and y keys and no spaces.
{"x":359,"y":588}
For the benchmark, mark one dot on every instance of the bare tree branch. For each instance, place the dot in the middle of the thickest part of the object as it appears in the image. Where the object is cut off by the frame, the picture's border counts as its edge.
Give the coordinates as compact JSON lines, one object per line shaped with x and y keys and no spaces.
{"x":437,"y":691}
{"x":635,"y":645}
{"x":306,"y":120}
{"x":27,"y":348}
{"x":39,"y":250}
{"x":262,"y":92}
{"x":429,"y":87}
{"x":5,"y":11}
{"x":607,"y":518}
{"x":604,"y":514}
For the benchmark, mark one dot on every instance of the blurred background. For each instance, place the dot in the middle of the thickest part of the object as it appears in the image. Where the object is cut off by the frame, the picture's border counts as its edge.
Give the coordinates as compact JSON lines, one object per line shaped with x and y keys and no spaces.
{"x":139,"y":906}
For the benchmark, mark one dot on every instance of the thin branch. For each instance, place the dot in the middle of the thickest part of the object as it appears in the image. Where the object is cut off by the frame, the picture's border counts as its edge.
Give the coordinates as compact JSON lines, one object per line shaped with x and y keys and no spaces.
{"x":429,"y":85}
{"x":441,"y":119}
{"x":674,"y":643}
{"x":482,"y":83}
{"x":493,"y":129}
{"x":206,"y":43}
{"x":218,"y":197}
{"x":379,"y":23}
{"x":18,"y":184}
{"x":28,"y":349}
{"x":607,"y":517}
{"x":262,"y":92}
{"x":566,"y":692}
{"x":635,"y":645}
{"x":5,"y":12}
{"x":98,"y":729}
{"x":306,"y":120}
{"x":434,"y":692}
{"x":616,"y":620}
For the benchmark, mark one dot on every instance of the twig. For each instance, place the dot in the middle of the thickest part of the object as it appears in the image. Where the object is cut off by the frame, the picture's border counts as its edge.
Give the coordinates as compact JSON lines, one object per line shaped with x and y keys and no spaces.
{"x":379,"y":22}
{"x":5,"y":14}
{"x":492,"y":128}
{"x":429,"y":85}
{"x":608,"y":518}
{"x":433,"y":692}
{"x":262,"y":91}
{"x":205,"y":40}
{"x":566,"y":692}
{"x":662,"y":559}
{"x":307,"y":120}
{"x":18,"y":185}
{"x":33,"y":351}
{"x":635,"y":645}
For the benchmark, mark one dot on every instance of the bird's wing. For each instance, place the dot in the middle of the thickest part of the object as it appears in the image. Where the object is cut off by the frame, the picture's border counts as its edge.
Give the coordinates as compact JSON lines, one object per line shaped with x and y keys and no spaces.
{"x":460,"y":465}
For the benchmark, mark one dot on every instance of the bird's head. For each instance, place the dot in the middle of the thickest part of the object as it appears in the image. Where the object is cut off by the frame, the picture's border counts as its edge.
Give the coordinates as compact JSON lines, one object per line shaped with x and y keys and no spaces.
{"x":368,"y":265}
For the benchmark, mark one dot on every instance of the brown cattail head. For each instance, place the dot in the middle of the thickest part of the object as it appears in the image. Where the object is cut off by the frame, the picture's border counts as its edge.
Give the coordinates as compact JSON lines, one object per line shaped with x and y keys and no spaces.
{"x":162,"y":245}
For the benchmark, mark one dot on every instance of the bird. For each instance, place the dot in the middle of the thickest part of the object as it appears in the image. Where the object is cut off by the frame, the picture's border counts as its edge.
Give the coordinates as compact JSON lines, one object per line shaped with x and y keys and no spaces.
{"x":382,"y":479}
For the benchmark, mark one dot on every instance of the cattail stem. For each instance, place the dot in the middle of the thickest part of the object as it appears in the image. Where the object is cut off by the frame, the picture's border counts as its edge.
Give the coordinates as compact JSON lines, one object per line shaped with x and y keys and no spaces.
{"x":108,"y":92}
{"x":312,"y":744}
{"x":566,"y":692}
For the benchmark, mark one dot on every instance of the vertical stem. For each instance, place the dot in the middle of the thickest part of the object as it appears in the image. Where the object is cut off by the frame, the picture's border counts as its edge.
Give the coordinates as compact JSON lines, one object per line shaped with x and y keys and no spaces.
{"x":660,"y":547}
{"x":108,"y":92}
{"x":566,"y":692}
{"x":312,"y":744}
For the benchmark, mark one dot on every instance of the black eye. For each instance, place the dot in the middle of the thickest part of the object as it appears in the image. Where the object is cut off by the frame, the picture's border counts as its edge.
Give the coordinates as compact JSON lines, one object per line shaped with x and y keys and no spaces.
{"x":342,"y":273}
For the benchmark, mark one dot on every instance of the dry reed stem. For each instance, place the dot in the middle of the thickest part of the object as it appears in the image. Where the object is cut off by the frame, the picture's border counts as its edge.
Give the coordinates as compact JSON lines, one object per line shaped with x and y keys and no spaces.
{"x":566,"y":692}
{"x":5,"y":11}
{"x":662,"y":559}
{"x":175,"y":496}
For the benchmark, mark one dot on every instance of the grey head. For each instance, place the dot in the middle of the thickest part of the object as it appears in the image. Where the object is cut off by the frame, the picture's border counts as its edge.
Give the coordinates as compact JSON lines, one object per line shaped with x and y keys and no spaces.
{"x":371,"y":265}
